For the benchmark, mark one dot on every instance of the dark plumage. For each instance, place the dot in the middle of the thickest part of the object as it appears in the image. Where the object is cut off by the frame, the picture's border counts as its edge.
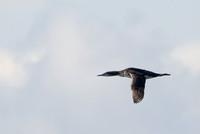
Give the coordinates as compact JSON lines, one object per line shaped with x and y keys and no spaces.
{"x":139,"y":77}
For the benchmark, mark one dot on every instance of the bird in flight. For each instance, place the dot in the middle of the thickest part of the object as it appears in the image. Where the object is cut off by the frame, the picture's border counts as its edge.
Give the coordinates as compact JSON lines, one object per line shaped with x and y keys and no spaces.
{"x":138,"y":77}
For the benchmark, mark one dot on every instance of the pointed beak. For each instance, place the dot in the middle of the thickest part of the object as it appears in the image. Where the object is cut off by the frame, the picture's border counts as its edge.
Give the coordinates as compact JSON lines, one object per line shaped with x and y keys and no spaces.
{"x":100,"y":75}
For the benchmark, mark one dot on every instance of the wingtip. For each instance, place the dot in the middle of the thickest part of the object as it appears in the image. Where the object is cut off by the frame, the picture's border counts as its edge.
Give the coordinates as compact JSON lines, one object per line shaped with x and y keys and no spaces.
{"x":136,"y":102}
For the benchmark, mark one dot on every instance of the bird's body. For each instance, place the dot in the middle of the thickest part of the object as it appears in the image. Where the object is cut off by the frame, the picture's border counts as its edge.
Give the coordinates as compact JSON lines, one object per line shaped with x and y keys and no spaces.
{"x":138,"y":76}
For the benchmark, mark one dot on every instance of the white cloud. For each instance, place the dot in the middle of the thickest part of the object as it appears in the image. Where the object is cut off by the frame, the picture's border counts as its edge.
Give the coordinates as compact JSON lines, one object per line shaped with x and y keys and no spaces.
{"x":14,"y":68}
{"x":188,"y":55}
{"x":73,"y":55}
{"x":21,"y":4}
{"x":68,"y":55}
{"x":16,"y":123}
{"x":38,"y":126}
{"x":34,"y":56}
{"x":12,"y":73}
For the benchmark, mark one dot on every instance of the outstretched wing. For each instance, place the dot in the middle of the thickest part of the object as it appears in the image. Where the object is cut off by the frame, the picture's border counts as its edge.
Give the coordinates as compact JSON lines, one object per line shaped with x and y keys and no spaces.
{"x":137,"y":87}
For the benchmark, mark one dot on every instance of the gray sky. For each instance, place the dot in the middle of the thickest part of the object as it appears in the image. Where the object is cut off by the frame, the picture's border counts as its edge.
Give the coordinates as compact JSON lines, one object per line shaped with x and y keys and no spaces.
{"x":52,"y":50}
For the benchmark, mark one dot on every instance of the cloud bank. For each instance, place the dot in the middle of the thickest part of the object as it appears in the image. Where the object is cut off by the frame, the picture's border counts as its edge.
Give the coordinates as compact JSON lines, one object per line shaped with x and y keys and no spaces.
{"x":188,"y":56}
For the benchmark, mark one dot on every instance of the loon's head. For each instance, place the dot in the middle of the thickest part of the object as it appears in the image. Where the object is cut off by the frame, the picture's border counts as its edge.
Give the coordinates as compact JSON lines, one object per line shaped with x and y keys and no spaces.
{"x":111,"y":73}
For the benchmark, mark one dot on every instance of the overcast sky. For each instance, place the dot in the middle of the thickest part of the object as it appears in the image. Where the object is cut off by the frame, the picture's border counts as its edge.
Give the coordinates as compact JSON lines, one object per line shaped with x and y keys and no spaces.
{"x":51,"y":52}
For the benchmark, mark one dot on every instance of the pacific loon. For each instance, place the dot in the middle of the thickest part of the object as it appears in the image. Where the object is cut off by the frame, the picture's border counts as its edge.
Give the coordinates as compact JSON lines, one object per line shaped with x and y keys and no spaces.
{"x":138,"y":77}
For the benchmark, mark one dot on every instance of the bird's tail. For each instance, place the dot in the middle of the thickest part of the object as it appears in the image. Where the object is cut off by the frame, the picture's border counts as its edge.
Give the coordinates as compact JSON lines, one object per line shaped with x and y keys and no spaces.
{"x":165,"y":74}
